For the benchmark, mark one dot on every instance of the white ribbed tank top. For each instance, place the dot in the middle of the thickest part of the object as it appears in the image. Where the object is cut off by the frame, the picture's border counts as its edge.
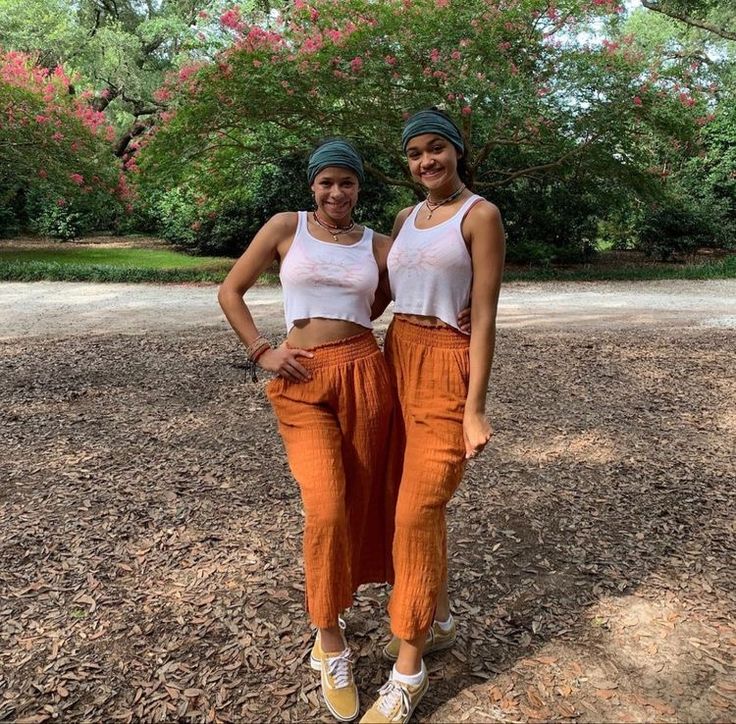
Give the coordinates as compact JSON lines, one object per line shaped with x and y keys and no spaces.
{"x":328,"y":280}
{"x":430,"y":270}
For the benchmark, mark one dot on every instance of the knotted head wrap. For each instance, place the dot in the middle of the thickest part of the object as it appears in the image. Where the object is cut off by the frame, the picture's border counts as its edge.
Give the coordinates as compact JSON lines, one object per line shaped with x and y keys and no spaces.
{"x":432,"y":121}
{"x":335,"y":152}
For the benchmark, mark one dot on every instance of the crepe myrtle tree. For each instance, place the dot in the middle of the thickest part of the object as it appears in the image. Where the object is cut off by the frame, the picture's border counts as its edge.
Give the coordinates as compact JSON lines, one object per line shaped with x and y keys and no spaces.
{"x":545,"y":91}
{"x":55,"y":149}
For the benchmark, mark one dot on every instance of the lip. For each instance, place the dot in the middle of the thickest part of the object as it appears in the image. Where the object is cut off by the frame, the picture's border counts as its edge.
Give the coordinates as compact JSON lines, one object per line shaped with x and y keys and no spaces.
{"x":431,"y":174}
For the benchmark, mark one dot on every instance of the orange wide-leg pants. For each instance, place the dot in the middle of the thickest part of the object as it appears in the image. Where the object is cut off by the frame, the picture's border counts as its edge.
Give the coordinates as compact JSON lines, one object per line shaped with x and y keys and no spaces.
{"x":335,"y":430}
{"x":429,"y":369}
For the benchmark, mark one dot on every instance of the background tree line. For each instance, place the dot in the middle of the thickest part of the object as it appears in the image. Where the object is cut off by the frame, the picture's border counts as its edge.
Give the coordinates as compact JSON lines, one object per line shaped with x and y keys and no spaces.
{"x":588,"y":122}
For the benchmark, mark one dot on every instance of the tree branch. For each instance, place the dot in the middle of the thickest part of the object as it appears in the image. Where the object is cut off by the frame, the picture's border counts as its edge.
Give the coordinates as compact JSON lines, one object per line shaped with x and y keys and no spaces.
{"x":721,"y":32}
{"x":377,"y":173}
{"x":531,"y":170}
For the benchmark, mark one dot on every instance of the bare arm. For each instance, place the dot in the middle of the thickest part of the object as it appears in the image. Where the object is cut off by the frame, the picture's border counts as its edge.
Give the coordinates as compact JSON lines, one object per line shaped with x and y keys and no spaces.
{"x":260,"y":254}
{"x":381,"y":248}
{"x":484,"y":228}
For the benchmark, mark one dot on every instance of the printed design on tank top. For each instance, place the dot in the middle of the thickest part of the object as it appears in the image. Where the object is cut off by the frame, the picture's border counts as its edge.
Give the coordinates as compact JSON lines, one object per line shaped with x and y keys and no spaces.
{"x":416,"y":260}
{"x":331,"y":273}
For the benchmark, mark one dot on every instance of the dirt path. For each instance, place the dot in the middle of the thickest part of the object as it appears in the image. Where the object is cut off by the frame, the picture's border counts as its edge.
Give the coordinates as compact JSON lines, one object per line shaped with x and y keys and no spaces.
{"x":65,"y":309}
{"x":150,"y":530}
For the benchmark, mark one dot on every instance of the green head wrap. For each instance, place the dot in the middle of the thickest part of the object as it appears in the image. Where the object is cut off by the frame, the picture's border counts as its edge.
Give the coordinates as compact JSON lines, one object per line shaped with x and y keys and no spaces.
{"x":334,"y":152}
{"x":431,"y":121}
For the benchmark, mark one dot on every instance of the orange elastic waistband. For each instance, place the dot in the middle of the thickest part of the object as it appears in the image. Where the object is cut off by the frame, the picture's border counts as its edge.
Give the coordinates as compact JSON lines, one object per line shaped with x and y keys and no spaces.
{"x":443,"y":337}
{"x":340,"y":351}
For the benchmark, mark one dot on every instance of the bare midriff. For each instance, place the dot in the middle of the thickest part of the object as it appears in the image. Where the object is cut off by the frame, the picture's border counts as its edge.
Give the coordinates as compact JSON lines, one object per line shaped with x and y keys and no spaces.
{"x":308,"y":333}
{"x":423,"y":320}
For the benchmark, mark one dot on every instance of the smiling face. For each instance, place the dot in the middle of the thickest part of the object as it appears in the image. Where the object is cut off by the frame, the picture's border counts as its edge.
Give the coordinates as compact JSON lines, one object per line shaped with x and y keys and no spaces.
{"x":335,"y":192}
{"x":433,"y":162}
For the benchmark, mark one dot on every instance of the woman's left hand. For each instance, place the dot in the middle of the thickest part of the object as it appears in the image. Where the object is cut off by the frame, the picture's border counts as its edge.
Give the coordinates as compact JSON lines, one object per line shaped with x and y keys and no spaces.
{"x":477,"y":431}
{"x":463,"y":320}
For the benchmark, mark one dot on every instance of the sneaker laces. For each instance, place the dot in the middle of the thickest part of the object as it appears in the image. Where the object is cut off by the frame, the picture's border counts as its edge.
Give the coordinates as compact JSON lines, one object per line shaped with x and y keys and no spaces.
{"x":391,"y":694}
{"x":339,"y":668}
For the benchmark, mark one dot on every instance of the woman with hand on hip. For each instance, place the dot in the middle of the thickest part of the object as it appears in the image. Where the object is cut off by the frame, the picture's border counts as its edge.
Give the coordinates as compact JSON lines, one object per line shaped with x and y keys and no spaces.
{"x":331,"y":396}
{"x":447,"y":251}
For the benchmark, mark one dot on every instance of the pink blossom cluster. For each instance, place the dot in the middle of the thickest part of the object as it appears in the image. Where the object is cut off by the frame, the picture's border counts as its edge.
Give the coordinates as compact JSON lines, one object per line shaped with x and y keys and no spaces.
{"x":20,"y":70}
{"x":232,"y":20}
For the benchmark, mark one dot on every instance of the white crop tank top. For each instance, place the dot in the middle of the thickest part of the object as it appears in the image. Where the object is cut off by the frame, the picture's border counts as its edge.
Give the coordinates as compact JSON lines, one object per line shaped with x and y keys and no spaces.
{"x":430,"y":270}
{"x":332,"y":281}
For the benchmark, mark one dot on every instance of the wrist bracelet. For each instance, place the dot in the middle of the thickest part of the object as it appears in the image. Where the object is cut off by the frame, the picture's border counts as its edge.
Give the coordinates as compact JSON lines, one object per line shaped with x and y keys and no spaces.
{"x":259,"y":352}
{"x":256,"y":346}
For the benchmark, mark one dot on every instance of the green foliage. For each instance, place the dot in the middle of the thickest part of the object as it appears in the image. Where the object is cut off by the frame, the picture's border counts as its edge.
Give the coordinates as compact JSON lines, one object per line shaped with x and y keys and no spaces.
{"x":535,"y":101}
{"x":216,"y":220}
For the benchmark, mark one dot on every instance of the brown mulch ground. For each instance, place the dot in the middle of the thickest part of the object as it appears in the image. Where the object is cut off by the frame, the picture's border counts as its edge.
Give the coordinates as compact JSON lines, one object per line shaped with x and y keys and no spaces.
{"x":150,"y":536}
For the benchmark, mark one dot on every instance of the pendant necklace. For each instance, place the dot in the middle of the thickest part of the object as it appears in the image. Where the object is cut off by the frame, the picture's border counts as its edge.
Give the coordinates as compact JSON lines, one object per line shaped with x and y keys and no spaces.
{"x":335,"y":231}
{"x":432,"y":206}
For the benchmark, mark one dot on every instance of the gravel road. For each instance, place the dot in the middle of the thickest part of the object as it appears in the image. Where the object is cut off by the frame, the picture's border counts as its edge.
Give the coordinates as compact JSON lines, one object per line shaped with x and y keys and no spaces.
{"x":63,"y":309}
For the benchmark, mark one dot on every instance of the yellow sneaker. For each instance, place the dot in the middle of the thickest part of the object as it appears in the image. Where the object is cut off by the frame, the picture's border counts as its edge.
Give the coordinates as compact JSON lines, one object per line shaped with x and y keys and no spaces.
{"x":338,"y":686}
{"x":437,"y":640}
{"x":315,"y":657}
{"x":396,"y":702}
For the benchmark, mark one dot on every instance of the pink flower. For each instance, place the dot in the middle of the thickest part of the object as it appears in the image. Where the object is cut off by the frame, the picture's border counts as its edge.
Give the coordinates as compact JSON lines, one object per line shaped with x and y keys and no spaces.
{"x":456,"y":55}
{"x":390,"y":60}
{"x":61,"y":203}
{"x":161,"y":95}
{"x":435,"y":55}
{"x":187,"y":72}
{"x":466,"y":111}
{"x":203,"y":14}
{"x":257,"y":63}
{"x":231,"y":19}
{"x":637,"y":101}
{"x":442,"y":3}
{"x":356,"y":64}
{"x":58,"y":137}
{"x":42,"y":173}
{"x":41,"y":119}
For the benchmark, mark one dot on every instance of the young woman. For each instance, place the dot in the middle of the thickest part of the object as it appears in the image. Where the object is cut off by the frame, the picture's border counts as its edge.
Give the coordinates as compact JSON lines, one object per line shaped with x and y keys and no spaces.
{"x":331,"y":396}
{"x":446,"y":251}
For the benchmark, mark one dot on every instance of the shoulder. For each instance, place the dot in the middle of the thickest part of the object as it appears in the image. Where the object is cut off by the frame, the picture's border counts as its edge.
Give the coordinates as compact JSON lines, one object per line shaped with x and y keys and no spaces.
{"x":381,"y":241}
{"x":283,"y":221}
{"x":381,"y":247}
{"x":483,"y":218}
{"x":483,"y":211}
{"x":401,"y":217}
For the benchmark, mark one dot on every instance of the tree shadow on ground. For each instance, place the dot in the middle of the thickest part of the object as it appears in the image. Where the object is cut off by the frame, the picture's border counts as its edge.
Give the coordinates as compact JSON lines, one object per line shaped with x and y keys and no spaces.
{"x":151,"y":536}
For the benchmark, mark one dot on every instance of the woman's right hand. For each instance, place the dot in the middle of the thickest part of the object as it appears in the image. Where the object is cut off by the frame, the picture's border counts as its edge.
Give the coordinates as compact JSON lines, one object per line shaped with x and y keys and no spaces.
{"x":283,"y":362}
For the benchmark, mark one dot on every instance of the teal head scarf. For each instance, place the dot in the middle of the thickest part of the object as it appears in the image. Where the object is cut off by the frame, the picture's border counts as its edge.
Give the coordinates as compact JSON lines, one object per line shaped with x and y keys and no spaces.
{"x":432,"y":121}
{"x":335,"y":152}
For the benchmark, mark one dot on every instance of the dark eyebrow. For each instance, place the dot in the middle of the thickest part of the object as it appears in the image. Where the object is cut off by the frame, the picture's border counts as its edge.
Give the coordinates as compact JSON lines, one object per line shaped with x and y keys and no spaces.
{"x":434,"y":139}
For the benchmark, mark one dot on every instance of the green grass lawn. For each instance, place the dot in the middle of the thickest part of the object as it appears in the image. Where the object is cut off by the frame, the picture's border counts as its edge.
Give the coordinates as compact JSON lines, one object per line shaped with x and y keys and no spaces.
{"x":104,"y":263}
{"x":117,"y":257}
{"x":108,"y":263}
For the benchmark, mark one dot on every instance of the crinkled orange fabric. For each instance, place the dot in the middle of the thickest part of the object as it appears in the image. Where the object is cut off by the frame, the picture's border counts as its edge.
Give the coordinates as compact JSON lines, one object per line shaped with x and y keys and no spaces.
{"x":430,"y":369}
{"x":335,"y":430}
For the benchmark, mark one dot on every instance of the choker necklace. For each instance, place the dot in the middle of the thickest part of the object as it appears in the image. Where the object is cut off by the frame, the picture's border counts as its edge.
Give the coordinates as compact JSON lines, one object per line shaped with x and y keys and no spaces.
{"x":332,"y":229}
{"x":432,"y":206}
